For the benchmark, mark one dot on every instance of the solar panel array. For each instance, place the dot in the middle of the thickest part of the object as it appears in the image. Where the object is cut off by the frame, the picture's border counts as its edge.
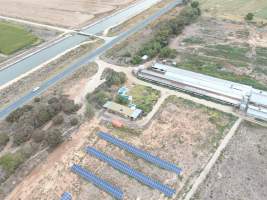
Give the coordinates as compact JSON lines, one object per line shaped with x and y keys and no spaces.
{"x":140,"y":153}
{"x":89,"y":176}
{"x":66,"y":196}
{"x":131,"y":172}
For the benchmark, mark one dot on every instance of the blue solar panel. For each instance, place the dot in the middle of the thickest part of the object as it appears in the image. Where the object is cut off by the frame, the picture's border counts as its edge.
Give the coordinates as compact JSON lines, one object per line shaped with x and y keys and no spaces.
{"x":140,"y":153}
{"x":89,"y":176}
{"x":66,"y":196}
{"x":131,"y":172}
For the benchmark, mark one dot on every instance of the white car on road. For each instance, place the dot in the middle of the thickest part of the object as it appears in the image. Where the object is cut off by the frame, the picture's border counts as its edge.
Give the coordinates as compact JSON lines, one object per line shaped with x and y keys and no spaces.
{"x":36,"y":89}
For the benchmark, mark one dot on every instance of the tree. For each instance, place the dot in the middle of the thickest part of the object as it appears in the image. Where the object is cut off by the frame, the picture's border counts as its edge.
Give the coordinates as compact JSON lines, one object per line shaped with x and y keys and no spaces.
{"x":136,"y":60}
{"x":122,"y":100}
{"x":54,"y":137}
{"x":57,"y":120}
{"x":69,"y":107}
{"x":23,"y":134}
{"x":115,"y":78}
{"x":41,"y":116}
{"x":100,"y":98}
{"x":249,"y":17}
{"x":195,"y":4}
{"x":38,"y":136}
{"x":15,"y":115}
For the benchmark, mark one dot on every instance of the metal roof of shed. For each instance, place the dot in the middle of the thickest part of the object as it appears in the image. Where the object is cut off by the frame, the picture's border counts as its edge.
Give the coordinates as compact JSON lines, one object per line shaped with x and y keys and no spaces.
{"x":123,"y":109}
{"x":205,"y":82}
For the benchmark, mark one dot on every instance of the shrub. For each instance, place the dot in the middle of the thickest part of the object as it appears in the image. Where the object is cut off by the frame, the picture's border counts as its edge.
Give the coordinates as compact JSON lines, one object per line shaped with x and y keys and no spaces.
{"x":167,"y":52}
{"x":249,"y":17}
{"x":127,"y":54}
{"x":89,"y":111}
{"x":74,"y":121}
{"x":53,"y":100}
{"x":57,"y":120}
{"x":37,"y":99}
{"x":54,"y":137}
{"x":4,"y":138}
{"x":195,"y":4}
{"x":136,"y":60}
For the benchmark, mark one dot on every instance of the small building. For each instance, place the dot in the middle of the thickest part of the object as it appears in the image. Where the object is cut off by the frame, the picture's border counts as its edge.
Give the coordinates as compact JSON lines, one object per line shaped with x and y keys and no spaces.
{"x":123,"y":91}
{"x":122,"y":110}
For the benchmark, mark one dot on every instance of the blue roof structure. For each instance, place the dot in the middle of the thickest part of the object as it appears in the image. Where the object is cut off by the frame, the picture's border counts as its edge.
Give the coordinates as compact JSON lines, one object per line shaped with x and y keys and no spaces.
{"x":140,"y":153}
{"x":123,"y":91}
{"x":100,"y":183}
{"x":66,"y":196}
{"x":131,"y":172}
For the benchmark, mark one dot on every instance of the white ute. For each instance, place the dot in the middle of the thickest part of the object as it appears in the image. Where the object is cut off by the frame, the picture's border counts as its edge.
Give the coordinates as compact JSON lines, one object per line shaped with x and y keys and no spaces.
{"x":36,"y":89}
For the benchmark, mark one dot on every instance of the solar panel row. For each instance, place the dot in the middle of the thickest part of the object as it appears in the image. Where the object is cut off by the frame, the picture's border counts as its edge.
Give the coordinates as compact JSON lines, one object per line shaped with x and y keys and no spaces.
{"x":140,"y":153}
{"x":66,"y":196}
{"x":102,"y":184}
{"x":131,"y":172}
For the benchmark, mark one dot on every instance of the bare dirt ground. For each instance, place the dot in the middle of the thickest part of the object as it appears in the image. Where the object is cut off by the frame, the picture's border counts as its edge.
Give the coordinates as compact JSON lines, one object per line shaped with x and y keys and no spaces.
{"x":182,"y":132}
{"x":59,"y":12}
{"x":241,"y":172}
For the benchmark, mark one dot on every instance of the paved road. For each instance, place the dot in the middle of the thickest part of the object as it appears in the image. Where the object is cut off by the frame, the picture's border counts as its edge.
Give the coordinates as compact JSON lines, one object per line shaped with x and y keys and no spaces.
{"x":33,"y":61}
{"x":85,"y":60}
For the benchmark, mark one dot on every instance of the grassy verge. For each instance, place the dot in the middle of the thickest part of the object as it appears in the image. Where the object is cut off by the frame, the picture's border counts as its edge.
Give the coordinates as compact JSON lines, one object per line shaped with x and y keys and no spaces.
{"x":11,"y":161}
{"x":213,"y":67}
{"x":14,"y":37}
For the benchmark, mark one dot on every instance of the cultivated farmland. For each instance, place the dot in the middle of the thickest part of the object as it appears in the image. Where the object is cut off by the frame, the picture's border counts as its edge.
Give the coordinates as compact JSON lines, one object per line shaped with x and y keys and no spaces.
{"x":14,"y":37}
{"x":58,"y":12}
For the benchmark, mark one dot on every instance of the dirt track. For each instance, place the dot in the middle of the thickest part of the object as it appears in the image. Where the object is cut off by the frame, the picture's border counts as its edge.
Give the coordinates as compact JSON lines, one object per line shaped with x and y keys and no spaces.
{"x":59,"y":12}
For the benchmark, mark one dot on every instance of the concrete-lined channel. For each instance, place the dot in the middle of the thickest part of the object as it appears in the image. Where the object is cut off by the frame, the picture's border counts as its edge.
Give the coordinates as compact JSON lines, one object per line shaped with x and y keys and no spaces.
{"x":29,"y":63}
{"x":85,"y":60}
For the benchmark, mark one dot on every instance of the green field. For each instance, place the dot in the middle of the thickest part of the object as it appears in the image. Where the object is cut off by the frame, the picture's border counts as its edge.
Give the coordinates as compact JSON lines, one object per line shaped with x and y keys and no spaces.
{"x":144,"y":97}
{"x":235,"y":8}
{"x":14,"y":38}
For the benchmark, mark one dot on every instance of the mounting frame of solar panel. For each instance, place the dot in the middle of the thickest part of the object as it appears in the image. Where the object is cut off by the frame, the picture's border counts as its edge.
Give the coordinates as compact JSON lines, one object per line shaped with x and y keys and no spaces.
{"x":100,"y":183}
{"x":140,"y":153}
{"x":131,"y":172}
